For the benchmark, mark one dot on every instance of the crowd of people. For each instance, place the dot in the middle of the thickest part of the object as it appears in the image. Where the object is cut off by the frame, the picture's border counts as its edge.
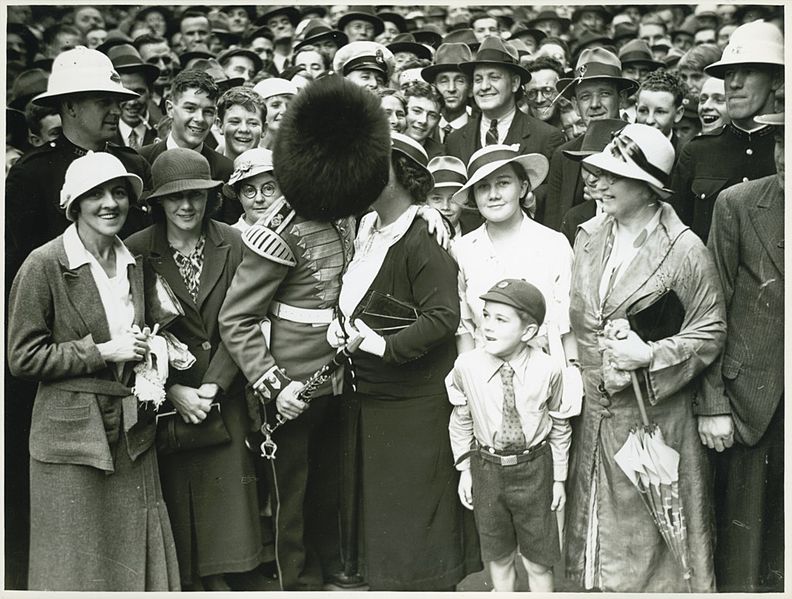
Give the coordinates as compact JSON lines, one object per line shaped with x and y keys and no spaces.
{"x":264,"y":263}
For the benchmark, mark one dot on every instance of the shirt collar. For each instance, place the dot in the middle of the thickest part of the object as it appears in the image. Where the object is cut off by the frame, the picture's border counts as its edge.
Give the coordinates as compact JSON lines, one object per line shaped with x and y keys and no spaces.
{"x":492,"y":364}
{"x":503,"y":121}
{"x":77,"y":255}
{"x":170,"y":143}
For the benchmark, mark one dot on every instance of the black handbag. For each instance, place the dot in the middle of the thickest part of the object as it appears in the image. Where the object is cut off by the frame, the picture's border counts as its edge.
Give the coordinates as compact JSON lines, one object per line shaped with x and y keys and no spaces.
{"x":174,"y":435}
{"x":384,"y":314}
{"x":658,"y":320}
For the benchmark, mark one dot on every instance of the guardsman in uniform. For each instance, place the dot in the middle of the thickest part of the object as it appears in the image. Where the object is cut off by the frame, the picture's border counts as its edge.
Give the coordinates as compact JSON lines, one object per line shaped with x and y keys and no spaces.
{"x":287,"y":287}
{"x":752,"y":68}
{"x":87,"y":91}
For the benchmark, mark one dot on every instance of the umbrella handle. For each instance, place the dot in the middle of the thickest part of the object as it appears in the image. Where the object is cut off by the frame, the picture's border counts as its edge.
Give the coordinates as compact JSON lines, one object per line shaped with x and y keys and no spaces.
{"x":639,"y":398}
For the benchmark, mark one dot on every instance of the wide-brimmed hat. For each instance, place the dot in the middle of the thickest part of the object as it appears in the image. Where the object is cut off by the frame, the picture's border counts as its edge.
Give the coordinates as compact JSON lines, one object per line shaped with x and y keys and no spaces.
{"x":115,"y":37}
{"x":363,"y":55}
{"x":590,"y":39}
{"x":752,"y":43}
{"x":596,"y":63}
{"x":86,"y":172}
{"x":407,"y":146}
{"x":548,"y":15}
{"x":82,"y":70}
{"x":405,"y":42}
{"x":465,"y":35}
{"x":316,"y":31}
{"x":211,"y":67}
{"x":362,"y":13}
{"x":143,"y":12}
{"x":624,"y":31}
{"x":126,"y":59}
{"x":490,"y":158}
{"x":638,"y":52}
{"x":254,"y":32}
{"x":395,"y":18}
{"x":597,"y":8}
{"x":447,"y":58}
{"x":598,"y":135}
{"x":218,"y":23}
{"x":289,"y":12}
{"x":638,"y":152}
{"x":180,"y":169}
{"x":448,"y":171}
{"x":429,"y":35}
{"x":249,"y":164}
{"x":201,"y":51}
{"x":688,"y":27}
{"x":275,"y":86}
{"x":226,"y":55}
{"x":494,"y":51}
{"x":523,"y":29}
{"x":27,"y":85}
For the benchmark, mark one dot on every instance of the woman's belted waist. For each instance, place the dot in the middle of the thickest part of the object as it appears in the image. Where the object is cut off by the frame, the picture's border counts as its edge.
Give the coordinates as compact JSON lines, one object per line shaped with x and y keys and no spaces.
{"x":103,"y":387}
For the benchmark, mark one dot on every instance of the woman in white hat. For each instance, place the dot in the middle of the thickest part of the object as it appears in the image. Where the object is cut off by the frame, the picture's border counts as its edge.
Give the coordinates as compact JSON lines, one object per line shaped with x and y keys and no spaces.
{"x":98,"y":520}
{"x":638,"y":257}
{"x":398,"y":294}
{"x":511,"y":245}
{"x":212,"y":504}
{"x":253,"y":183}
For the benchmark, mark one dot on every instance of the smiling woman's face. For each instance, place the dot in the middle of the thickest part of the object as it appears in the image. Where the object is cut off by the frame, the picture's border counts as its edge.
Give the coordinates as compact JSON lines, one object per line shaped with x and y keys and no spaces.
{"x":498,"y":194}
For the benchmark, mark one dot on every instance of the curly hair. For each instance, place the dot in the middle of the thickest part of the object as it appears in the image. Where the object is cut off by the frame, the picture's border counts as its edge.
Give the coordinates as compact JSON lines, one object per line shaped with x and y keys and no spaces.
{"x":416,"y":180}
{"x":194,"y":79}
{"x":244,"y":97}
{"x":699,"y":57}
{"x":419,"y":89}
{"x":665,"y":81}
{"x":545,"y":62}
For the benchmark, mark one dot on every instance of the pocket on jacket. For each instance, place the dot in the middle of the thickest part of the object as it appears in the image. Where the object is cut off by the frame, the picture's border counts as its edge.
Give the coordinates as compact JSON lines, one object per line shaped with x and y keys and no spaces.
{"x":706,"y":188}
{"x":730,"y":368}
{"x":71,"y":413}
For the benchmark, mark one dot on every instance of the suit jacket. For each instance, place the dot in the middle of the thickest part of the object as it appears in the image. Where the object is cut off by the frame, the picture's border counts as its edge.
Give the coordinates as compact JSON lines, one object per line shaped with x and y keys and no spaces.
{"x":198,"y":328}
{"x":149,"y":137}
{"x":564,"y":186}
{"x":220,"y":166}
{"x":433,"y":147}
{"x":747,"y":242}
{"x":575,"y":217}
{"x":56,"y":320}
{"x":530,"y":133}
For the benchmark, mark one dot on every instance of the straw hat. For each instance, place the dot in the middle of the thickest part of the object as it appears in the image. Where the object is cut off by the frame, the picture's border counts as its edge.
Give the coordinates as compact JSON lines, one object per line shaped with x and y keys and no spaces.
{"x":412,"y":149}
{"x":490,"y":158}
{"x":752,"y":43}
{"x":251,"y":163}
{"x":638,"y":152}
{"x":180,"y":169}
{"x":82,"y":70}
{"x":86,"y":172}
{"x":448,"y":171}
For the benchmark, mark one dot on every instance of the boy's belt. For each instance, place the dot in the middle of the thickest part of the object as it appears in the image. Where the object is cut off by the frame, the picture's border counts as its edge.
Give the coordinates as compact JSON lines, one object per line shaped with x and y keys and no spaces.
{"x":504,"y":458}
{"x":302,"y":315}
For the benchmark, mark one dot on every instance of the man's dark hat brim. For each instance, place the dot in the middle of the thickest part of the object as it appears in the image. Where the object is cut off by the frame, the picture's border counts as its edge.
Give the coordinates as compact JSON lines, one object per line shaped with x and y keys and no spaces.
{"x":549,"y":15}
{"x":166,"y":13}
{"x":394,"y":18}
{"x":250,"y":10}
{"x":596,"y":71}
{"x":345,"y":19}
{"x":482,"y":60}
{"x":597,"y":8}
{"x":114,"y":38}
{"x":27,"y":85}
{"x":428,"y":37}
{"x":640,"y":58}
{"x":323,"y":34}
{"x":332,"y":168}
{"x":289,"y":12}
{"x":419,"y":50}
{"x":432,"y":71}
{"x":537,"y":34}
{"x":258,"y":64}
{"x":191,"y":54}
{"x":597,"y":136}
{"x":255,"y":32}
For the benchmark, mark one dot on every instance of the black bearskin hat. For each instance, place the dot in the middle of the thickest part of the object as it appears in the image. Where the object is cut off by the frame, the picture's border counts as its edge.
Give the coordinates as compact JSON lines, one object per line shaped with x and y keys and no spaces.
{"x":332,"y":151}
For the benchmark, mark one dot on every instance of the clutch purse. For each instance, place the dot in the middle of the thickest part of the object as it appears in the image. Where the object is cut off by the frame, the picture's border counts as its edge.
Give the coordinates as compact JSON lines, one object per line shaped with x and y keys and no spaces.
{"x":385,"y":314}
{"x":660,"y":319}
{"x":174,"y":435}
{"x":162,"y":305}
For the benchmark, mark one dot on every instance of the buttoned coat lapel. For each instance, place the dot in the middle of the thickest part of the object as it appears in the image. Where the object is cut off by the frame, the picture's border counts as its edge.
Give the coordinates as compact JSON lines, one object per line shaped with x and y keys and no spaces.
{"x":84,"y":296}
{"x":767,"y":217}
{"x":135,"y":275}
{"x":215,"y":256}
{"x":161,"y":260}
{"x":519,"y":130}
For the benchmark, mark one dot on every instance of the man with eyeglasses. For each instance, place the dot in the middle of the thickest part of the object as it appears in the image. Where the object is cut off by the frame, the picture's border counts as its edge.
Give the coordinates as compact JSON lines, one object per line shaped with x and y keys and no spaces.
{"x":155,"y":50}
{"x":541,"y":90}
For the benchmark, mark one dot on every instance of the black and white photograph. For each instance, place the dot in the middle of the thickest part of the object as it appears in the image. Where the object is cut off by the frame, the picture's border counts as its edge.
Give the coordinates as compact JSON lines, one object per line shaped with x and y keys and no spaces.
{"x":404,"y":298}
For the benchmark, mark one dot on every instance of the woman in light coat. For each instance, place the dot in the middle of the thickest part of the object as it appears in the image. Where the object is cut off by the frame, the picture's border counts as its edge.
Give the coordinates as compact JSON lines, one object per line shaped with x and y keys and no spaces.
{"x":634,"y":252}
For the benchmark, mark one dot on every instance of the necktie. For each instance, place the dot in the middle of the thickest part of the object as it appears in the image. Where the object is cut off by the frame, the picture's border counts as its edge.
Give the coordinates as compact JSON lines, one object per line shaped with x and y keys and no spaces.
{"x":134,"y":140}
{"x":492,"y":133}
{"x":511,"y":435}
{"x":446,"y":130}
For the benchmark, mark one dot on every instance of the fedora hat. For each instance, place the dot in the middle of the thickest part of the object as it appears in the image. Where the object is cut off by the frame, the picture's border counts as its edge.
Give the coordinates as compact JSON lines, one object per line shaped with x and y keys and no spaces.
{"x":447,"y":58}
{"x":463,"y":36}
{"x":395,"y":18}
{"x":638,"y":52}
{"x":407,"y":146}
{"x":596,"y":63}
{"x":589,"y":39}
{"x":494,"y":51}
{"x":362,"y":13}
{"x":752,"y":43}
{"x":82,"y":70}
{"x":429,"y":35}
{"x":115,"y":37}
{"x":405,"y":42}
{"x":316,"y":30}
{"x":597,"y":136}
{"x":126,"y":59}
{"x":523,"y":29}
{"x":289,"y":12}
{"x":180,"y":169}
{"x":448,"y":171}
{"x":254,"y":32}
{"x":27,"y":84}
{"x":211,"y":67}
{"x":597,"y":8}
{"x":225,"y":56}
{"x":548,"y":15}
{"x":146,"y":10}
{"x":638,"y":152}
{"x":489,"y":159}
{"x":201,"y":52}
{"x":624,"y":31}
{"x":86,"y":172}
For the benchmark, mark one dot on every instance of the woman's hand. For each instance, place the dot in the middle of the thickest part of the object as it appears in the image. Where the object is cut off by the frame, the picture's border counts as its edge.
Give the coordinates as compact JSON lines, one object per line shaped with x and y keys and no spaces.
{"x":465,"y":489}
{"x":628,"y":353}
{"x":192,"y":407}
{"x":435,"y":225}
{"x":209,"y":391}
{"x":373,"y":343}
{"x":559,"y":496}
{"x":287,"y":402}
{"x":130,"y":347}
{"x":335,"y":334}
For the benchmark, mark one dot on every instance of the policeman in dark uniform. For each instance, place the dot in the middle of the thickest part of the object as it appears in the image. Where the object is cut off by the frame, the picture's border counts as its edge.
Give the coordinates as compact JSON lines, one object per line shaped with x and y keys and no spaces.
{"x":87,"y":91}
{"x":752,"y":67}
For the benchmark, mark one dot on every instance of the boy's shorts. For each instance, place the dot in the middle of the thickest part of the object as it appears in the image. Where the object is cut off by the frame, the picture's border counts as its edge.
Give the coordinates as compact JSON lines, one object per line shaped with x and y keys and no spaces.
{"x":511,"y":505}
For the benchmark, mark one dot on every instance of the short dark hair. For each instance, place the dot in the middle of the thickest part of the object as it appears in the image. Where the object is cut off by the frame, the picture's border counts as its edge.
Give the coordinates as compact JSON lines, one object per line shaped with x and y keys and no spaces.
{"x":545,"y":62}
{"x":244,"y":97}
{"x":193,"y":78}
{"x":34,"y":115}
{"x":193,"y":14}
{"x":74,"y":207}
{"x":665,"y":81}
{"x":420,"y":89}
{"x":699,"y":57}
{"x":325,"y":58}
{"x":417,"y":181}
{"x":556,"y":41}
{"x":654,"y":19}
{"x":54,"y":31}
{"x":147,"y":39}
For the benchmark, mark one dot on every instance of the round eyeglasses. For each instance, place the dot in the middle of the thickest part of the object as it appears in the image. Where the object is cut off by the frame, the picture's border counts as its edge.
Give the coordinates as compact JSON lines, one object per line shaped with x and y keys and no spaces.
{"x":249,"y":191}
{"x":547,"y":92}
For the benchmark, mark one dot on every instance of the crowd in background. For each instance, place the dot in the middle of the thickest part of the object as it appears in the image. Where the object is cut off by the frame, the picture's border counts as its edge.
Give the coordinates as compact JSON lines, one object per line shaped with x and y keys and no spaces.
{"x":188,"y":104}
